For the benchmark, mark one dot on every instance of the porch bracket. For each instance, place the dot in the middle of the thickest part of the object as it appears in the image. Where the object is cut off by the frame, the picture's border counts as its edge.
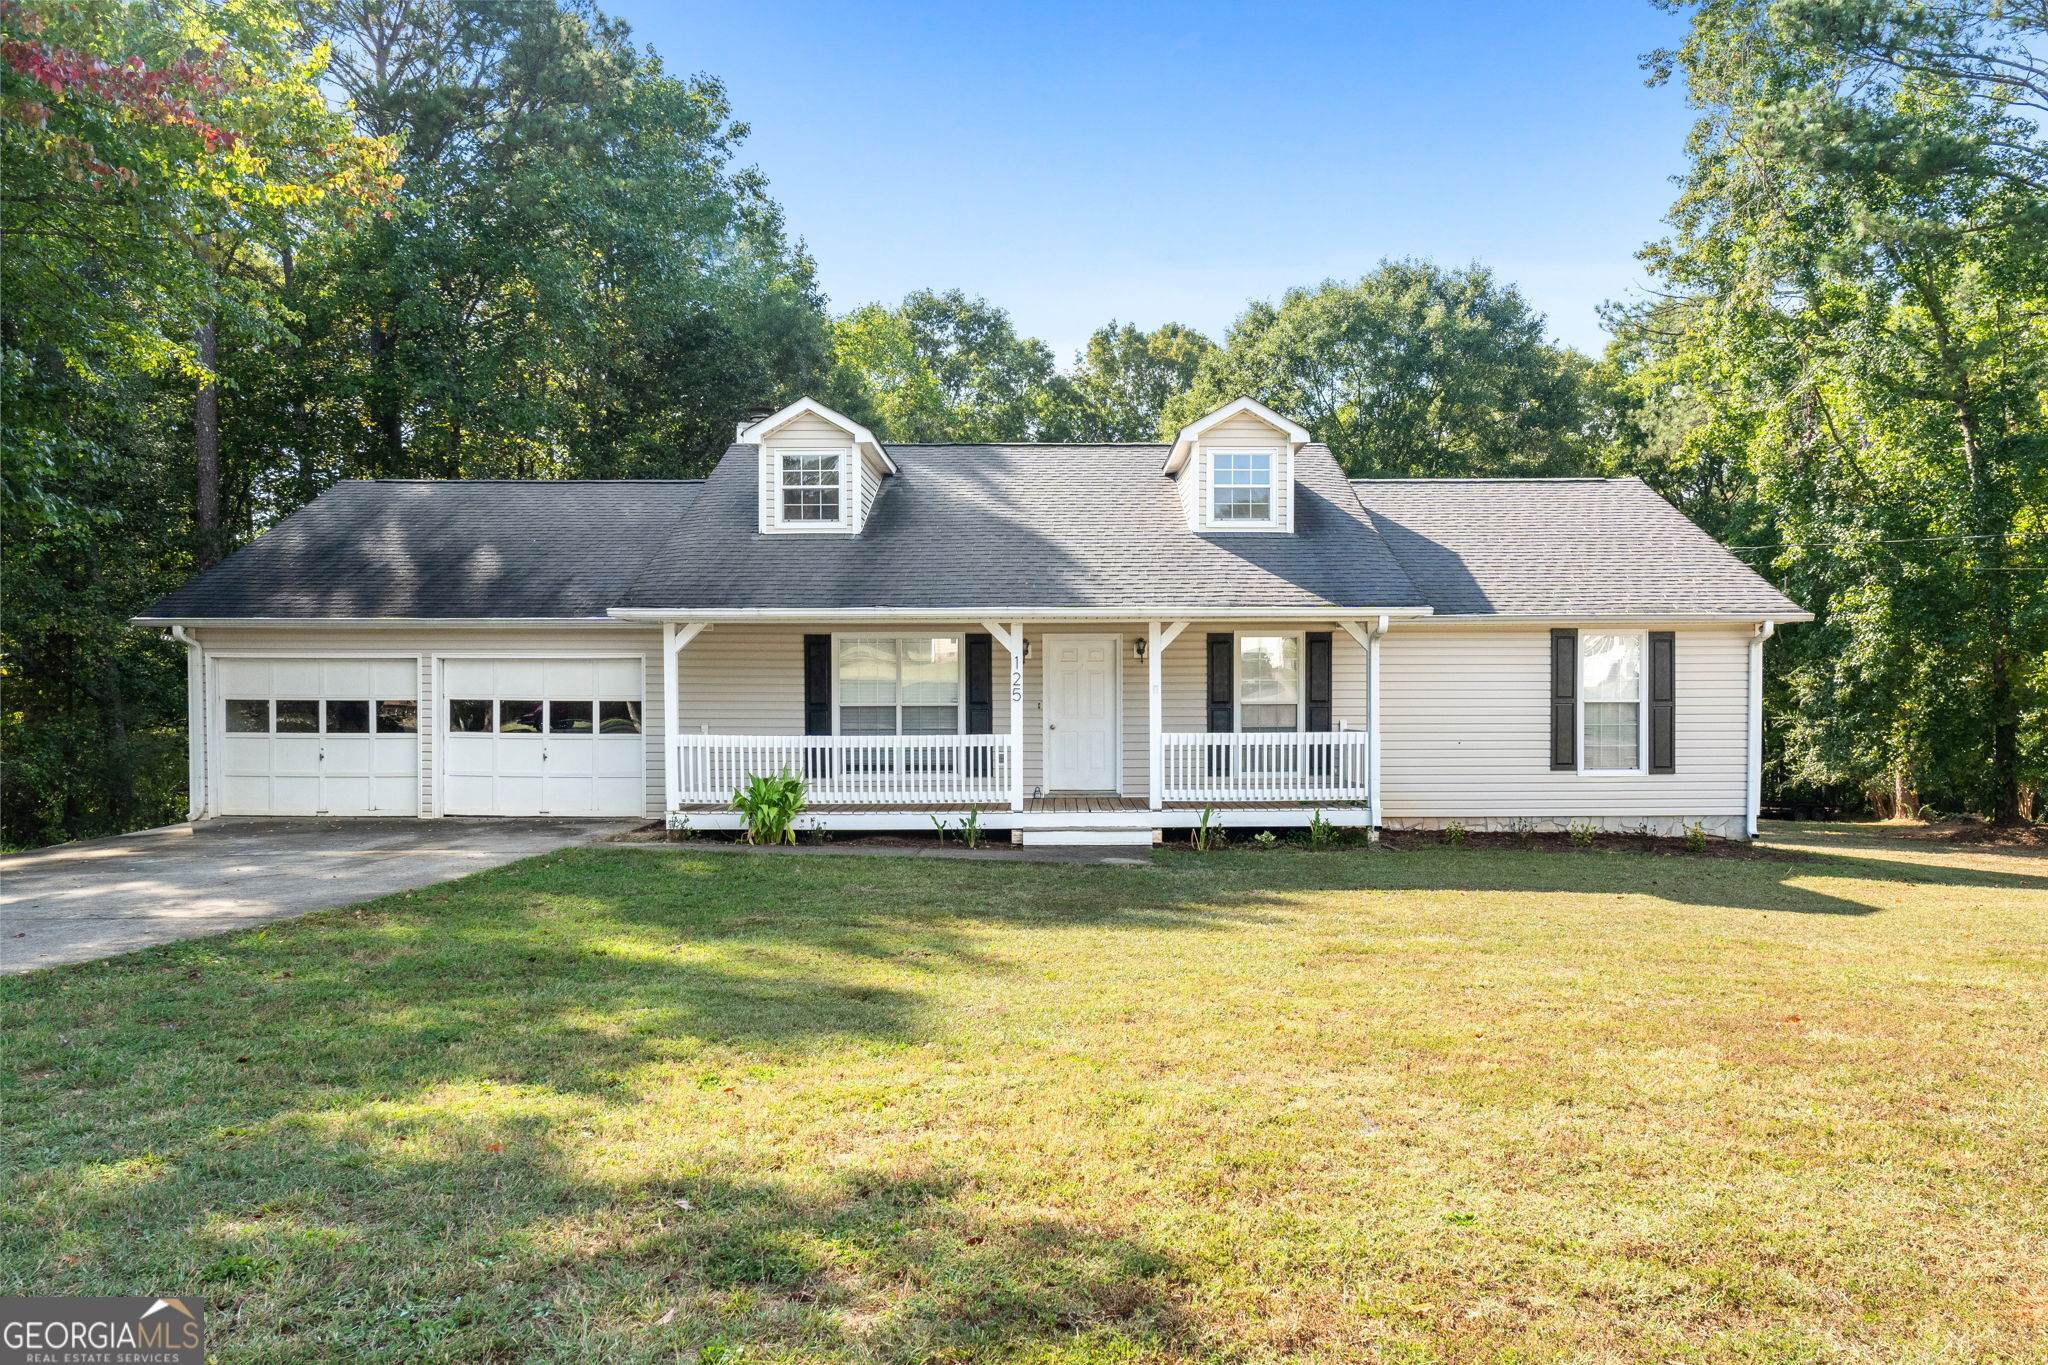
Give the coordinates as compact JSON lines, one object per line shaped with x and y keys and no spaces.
{"x":1158,"y":635}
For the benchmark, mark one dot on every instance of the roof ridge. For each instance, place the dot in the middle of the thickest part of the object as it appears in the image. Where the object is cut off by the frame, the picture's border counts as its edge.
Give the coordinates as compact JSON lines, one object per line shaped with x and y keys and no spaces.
{"x":538,"y":483}
{"x":1509,"y":478}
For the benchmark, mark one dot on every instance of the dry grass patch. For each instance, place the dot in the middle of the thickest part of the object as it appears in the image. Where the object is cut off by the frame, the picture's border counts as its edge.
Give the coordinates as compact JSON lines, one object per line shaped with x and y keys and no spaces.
{"x":1428,"y":1105}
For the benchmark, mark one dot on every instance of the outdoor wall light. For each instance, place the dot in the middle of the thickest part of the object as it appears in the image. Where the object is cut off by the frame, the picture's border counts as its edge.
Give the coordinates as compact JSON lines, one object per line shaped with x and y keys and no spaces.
{"x":1139,"y":648}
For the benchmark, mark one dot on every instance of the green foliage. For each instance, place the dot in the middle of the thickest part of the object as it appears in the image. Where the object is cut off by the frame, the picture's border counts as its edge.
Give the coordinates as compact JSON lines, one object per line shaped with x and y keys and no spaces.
{"x":1266,"y":838}
{"x":1207,"y":834}
{"x":1454,"y":834}
{"x":1127,"y":378}
{"x":945,"y":367}
{"x":1695,"y":838}
{"x":970,"y":827}
{"x":771,"y":806}
{"x":1583,"y":833}
{"x":1411,"y":370}
{"x":1850,"y":375}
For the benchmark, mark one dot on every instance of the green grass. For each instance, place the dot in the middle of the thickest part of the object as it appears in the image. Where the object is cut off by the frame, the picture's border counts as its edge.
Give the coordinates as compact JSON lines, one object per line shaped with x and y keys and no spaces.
{"x":636,"y":1105}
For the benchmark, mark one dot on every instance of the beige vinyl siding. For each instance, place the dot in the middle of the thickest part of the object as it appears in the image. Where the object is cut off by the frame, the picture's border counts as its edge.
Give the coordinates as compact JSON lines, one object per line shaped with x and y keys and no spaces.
{"x":1184,"y":674}
{"x":1245,"y":432}
{"x":428,"y":643}
{"x":807,"y":431}
{"x":1466,"y":735}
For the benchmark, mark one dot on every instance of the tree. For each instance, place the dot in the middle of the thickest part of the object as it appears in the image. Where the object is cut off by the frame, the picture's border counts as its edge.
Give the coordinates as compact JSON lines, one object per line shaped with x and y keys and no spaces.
{"x":1411,"y":370}
{"x":577,"y":280}
{"x":150,"y":158}
{"x":944,"y":367}
{"x":1127,"y":377}
{"x":1859,"y":273}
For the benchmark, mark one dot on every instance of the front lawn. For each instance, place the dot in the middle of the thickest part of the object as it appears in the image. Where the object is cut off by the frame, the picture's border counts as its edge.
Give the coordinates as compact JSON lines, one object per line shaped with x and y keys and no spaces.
{"x":1432,"y":1105}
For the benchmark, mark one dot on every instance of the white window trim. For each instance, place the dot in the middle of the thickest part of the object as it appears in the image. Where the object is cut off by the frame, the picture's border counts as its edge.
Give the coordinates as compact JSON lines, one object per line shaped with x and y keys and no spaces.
{"x":1237,"y":677}
{"x":1277,"y":471}
{"x":1642,"y":766}
{"x":849,"y":489}
{"x":959,"y":707}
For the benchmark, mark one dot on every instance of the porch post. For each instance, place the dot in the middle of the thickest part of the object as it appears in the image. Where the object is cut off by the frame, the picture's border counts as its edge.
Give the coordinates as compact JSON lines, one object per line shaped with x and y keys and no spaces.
{"x":1016,"y":648}
{"x":1372,"y":720}
{"x":1153,"y":692}
{"x":674,"y":636}
{"x":671,"y":777}
{"x":1158,"y":636}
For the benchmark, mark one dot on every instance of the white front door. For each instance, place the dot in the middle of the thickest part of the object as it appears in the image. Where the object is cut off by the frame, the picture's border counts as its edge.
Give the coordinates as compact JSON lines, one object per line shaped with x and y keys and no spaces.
{"x":318,"y":736}
{"x":1081,"y":739}
{"x":543,"y":737}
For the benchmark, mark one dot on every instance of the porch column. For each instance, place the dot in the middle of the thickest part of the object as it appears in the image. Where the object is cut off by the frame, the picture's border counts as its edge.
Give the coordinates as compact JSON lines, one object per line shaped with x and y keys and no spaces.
{"x":1011,"y":638}
{"x":674,"y":635}
{"x":1368,"y":638}
{"x":1158,"y":635}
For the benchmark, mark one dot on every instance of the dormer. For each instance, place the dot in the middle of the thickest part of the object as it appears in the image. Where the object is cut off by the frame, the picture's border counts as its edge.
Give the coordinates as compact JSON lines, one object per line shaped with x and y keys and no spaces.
{"x":1235,"y":469}
{"x":819,"y":470}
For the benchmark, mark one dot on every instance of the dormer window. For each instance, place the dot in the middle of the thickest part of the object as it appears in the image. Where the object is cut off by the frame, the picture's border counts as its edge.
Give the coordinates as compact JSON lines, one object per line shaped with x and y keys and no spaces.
{"x":820,"y":471}
{"x":1241,"y":486}
{"x":1234,"y":469}
{"x":813,"y":488}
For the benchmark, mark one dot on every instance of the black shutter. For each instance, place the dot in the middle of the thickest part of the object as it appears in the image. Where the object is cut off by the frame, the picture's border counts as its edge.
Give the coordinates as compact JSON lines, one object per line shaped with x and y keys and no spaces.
{"x":817,"y":684}
{"x":981,"y":692}
{"x":1222,"y":660}
{"x":1564,"y":700}
{"x":1663,"y":699}
{"x":1319,"y":689}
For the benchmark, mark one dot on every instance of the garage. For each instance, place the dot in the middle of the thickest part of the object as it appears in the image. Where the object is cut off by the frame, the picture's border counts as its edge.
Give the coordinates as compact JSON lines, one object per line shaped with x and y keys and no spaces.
{"x":318,"y":736}
{"x":559,"y":736}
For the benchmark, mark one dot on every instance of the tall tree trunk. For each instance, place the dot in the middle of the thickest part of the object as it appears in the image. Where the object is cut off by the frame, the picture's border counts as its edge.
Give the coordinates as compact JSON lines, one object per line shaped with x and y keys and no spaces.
{"x":384,"y":406}
{"x":206,"y":449}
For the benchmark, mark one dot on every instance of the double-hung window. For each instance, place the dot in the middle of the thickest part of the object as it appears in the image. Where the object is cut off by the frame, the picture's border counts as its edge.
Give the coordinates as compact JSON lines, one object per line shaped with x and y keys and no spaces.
{"x":1241,"y":486}
{"x":898,"y":685}
{"x":1269,"y":684}
{"x":1611,"y":706}
{"x":812,"y":487}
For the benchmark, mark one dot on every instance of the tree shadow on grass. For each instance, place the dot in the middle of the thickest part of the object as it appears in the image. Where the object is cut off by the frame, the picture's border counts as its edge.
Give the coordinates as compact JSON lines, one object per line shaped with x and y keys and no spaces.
{"x":1741,"y":884}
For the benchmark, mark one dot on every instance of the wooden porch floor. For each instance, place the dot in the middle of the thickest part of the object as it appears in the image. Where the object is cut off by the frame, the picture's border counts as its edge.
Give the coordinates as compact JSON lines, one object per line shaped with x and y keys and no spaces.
{"x":1063,"y":805}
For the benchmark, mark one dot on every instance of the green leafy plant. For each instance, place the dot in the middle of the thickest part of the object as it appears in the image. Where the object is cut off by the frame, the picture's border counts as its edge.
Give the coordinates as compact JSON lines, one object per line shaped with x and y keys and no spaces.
{"x":1454,"y":833}
{"x":1321,"y":833}
{"x":770,"y":806}
{"x":1208,"y":835}
{"x":1583,"y":833}
{"x":1695,"y":838}
{"x":1524,"y":830}
{"x":970,"y":828}
{"x":939,"y":824}
{"x":1266,"y":838}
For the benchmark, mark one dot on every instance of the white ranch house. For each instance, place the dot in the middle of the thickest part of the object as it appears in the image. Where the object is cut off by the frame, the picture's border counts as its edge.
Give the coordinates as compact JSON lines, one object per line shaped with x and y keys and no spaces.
{"x":1086,"y":643}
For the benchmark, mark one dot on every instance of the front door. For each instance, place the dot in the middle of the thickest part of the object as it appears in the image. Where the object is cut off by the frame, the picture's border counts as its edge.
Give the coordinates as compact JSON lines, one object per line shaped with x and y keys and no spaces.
{"x":1081,"y":739}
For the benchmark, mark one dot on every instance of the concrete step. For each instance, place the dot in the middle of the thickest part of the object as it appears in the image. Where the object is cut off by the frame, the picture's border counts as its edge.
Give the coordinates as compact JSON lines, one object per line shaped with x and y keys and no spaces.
{"x":1125,"y":836}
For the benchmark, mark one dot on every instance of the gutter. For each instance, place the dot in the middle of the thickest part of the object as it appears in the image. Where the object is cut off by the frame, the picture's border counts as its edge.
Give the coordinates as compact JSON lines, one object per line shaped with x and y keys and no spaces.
{"x":1124,"y":613}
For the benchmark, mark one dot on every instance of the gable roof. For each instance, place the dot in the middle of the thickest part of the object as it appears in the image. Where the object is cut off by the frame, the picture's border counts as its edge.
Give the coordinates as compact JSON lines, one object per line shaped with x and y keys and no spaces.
{"x":435,"y":549}
{"x":1184,"y":440}
{"x":1562,"y":547}
{"x":988,"y":527}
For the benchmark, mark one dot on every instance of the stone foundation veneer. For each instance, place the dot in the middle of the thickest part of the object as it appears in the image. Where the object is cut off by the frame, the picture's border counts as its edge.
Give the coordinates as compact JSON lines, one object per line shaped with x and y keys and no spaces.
{"x":1662,"y":826}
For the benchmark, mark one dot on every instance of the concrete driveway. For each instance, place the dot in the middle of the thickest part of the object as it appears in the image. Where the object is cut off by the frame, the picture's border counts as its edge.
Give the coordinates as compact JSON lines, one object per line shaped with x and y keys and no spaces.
{"x":104,"y":896}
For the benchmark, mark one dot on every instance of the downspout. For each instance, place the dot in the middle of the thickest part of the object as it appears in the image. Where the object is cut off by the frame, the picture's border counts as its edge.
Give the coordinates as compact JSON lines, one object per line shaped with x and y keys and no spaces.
{"x":1373,"y":714}
{"x":1764,"y":631}
{"x":195,"y":724}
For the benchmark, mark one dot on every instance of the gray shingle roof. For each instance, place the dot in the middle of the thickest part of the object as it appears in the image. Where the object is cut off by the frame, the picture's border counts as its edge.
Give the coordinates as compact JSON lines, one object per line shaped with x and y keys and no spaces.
{"x":1565,"y":547}
{"x":1025,"y":526}
{"x":444,"y":549}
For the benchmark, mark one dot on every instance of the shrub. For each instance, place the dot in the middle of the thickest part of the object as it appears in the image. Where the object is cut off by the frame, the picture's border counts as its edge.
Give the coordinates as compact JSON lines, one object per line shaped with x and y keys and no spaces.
{"x":1695,"y":838}
{"x":1582,"y":833}
{"x":1321,"y":833}
{"x":771,"y":806}
{"x":1207,"y":835}
{"x":1454,"y":834}
{"x":1524,"y":830}
{"x":970,"y":827}
{"x":1266,"y":838}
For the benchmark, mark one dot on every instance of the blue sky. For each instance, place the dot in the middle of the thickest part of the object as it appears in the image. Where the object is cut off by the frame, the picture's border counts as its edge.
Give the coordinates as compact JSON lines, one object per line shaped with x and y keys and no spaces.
{"x":1079,"y":162}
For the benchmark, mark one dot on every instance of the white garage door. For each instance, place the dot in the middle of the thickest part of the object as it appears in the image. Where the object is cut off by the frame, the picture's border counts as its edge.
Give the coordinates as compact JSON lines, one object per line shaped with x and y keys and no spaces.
{"x":319,"y":736}
{"x":543,"y":737}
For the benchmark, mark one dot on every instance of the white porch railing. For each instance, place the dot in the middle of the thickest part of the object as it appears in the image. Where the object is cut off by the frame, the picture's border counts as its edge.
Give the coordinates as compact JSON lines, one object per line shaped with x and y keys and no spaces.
{"x":851,"y":769}
{"x":1329,"y":765}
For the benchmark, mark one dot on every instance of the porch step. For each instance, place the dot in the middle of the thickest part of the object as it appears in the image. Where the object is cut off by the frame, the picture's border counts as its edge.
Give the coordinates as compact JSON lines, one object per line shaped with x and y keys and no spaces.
{"x":1129,"y":836}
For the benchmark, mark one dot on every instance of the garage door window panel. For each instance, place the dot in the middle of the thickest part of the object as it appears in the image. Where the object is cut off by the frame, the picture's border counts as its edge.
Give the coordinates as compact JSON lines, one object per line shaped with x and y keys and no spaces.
{"x":519,"y":718}
{"x":618,"y":717}
{"x":247,"y":717}
{"x":398,"y":717}
{"x":570,"y":717}
{"x":298,"y":717}
{"x":348,"y":717}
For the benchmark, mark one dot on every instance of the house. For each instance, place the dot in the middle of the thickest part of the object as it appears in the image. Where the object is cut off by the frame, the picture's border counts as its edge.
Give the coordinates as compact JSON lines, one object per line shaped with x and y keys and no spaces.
{"x":1085,"y":642}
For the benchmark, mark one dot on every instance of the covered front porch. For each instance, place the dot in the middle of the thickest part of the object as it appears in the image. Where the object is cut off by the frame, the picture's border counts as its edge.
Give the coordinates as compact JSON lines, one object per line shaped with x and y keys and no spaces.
{"x":1107,"y":726}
